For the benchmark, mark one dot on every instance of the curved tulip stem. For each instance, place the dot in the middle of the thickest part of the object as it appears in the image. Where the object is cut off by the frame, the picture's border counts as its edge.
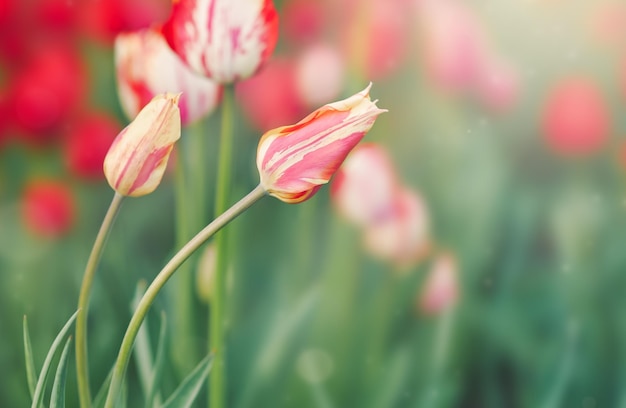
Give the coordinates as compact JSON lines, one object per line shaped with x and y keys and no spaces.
{"x":82,"y":371}
{"x":216,"y":331}
{"x":157,"y":284}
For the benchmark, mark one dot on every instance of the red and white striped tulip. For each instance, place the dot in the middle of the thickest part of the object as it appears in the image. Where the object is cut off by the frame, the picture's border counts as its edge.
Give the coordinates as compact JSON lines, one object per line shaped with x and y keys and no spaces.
{"x":147,"y":66}
{"x":295,"y":161}
{"x":138,"y":156}
{"x":225,"y":40}
{"x":364,"y":188}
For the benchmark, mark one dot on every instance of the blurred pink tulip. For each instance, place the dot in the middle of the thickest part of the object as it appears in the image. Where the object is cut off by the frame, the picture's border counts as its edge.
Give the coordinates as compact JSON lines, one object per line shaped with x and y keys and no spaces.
{"x":320,"y":74}
{"x":225,"y":40}
{"x":302,"y":21}
{"x":403,"y":236}
{"x":453,"y":44}
{"x":270,"y":98}
{"x":364,"y":188}
{"x":498,"y":85}
{"x":295,"y":161}
{"x":138,"y":156}
{"x":441,"y":288}
{"x":575,"y":120}
{"x":146,"y":66}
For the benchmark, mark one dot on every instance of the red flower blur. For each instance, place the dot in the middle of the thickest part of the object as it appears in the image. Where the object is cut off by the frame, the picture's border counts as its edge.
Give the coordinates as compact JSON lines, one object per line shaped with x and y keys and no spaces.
{"x":270,"y":98}
{"x":88,"y":142}
{"x":575,"y":120}
{"x":48,"y":208}
{"x":47,"y":91}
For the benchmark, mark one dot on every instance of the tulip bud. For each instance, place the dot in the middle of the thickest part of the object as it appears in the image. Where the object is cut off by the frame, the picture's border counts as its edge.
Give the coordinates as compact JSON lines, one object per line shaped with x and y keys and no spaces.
{"x":146,"y":66}
{"x":225,"y":40}
{"x":138,"y":156}
{"x":295,"y":161}
{"x":441,"y":288}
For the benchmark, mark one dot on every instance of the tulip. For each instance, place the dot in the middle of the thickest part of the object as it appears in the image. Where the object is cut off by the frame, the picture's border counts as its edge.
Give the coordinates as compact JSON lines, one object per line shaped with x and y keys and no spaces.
{"x":403,"y":236}
{"x":48,"y":208}
{"x":138,"y":156}
{"x":441,"y":288}
{"x":364,"y":188}
{"x":146,"y":66}
{"x":295,"y":161}
{"x":225,"y":40}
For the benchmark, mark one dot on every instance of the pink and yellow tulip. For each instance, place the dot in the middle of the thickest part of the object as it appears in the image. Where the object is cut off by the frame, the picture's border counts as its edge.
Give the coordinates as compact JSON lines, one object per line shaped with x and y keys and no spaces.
{"x":138,"y":156}
{"x":225,"y":40}
{"x":295,"y":161}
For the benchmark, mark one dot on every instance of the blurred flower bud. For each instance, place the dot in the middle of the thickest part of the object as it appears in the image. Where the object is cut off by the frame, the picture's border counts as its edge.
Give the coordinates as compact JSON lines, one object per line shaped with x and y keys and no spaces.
{"x":225,"y":40}
{"x":575,"y":120}
{"x":146,"y":66}
{"x":205,"y":274}
{"x":295,"y":161}
{"x":302,"y":21}
{"x":138,"y":156}
{"x":364,"y":187}
{"x":320,"y":74}
{"x":403,"y":236}
{"x":270,"y":98}
{"x":87,"y":143}
{"x":498,"y":85}
{"x":48,"y":208}
{"x":441,"y":288}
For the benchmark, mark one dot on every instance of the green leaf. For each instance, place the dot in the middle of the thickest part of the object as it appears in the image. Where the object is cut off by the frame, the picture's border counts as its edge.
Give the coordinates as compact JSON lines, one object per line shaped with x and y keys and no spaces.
{"x":143,"y":351}
{"x":57,"y":399}
{"x":30,"y":365}
{"x":158,"y":365}
{"x":101,"y":396}
{"x":43,"y":375}
{"x":187,"y":391}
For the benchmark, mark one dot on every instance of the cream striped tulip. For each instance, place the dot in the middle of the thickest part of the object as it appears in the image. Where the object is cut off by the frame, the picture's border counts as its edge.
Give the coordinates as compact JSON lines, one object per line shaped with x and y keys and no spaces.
{"x":295,"y":161}
{"x":138,"y":156}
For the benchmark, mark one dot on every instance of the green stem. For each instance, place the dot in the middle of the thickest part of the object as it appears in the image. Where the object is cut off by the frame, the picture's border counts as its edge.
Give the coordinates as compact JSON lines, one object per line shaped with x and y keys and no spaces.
{"x":216,"y":328}
{"x":190,"y":211}
{"x":157,"y":284}
{"x":82,"y":371}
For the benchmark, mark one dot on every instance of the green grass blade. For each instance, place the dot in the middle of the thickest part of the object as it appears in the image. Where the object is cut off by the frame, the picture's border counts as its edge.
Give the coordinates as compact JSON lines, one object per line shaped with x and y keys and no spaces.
{"x":187,"y":391}
{"x":159,"y":361}
{"x":57,"y":399}
{"x":100,"y":399}
{"x":43,"y":375}
{"x":30,"y":364}
{"x":143,"y":351}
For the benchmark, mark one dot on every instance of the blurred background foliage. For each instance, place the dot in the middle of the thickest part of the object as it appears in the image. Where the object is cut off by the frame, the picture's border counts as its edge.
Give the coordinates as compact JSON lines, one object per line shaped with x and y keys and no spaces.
{"x":505,"y":118}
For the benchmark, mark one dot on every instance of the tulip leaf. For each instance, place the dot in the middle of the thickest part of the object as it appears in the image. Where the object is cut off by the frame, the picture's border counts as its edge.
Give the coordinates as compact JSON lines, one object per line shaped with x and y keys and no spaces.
{"x":57,"y":399}
{"x":100,"y":399}
{"x":187,"y":391}
{"x":157,"y":370}
{"x":43,"y":375}
{"x":143,"y":351}
{"x":30,"y":364}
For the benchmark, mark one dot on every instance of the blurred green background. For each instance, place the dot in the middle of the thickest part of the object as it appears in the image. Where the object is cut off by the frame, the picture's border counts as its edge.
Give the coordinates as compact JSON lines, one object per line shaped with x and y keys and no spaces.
{"x":535,"y":220}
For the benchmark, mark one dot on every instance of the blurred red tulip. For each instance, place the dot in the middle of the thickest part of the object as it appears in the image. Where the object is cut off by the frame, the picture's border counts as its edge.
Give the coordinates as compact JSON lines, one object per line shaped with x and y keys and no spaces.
{"x":302,"y":21}
{"x":56,"y":15}
{"x":47,"y":91}
{"x":441,"y":288}
{"x":146,"y":66}
{"x":88,"y":142}
{"x":48,"y":208}
{"x":320,"y":74}
{"x":104,"y":19}
{"x":575,"y":120}
{"x":270,"y":98}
